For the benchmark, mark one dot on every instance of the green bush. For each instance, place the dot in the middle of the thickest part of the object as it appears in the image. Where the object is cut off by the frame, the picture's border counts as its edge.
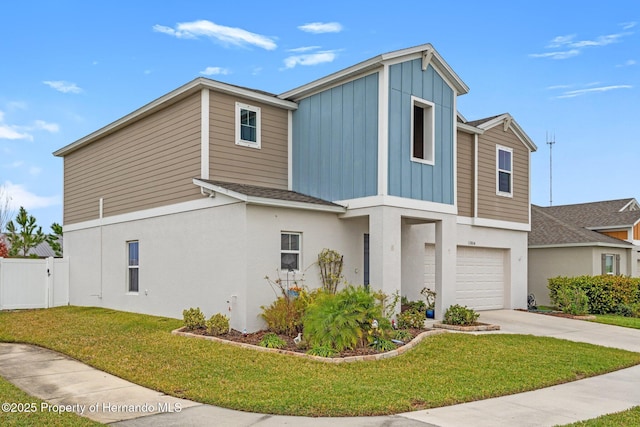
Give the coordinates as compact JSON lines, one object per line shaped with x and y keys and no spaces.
{"x":402,"y":335}
{"x":458,"y":315}
{"x":271,"y":340}
{"x":383,"y":344}
{"x":322,"y":351}
{"x":194,"y":319}
{"x":572,"y":300}
{"x":218,"y":324}
{"x":342,"y":321}
{"x":284,"y":315}
{"x":628,"y":310}
{"x":411,"y":318}
{"x":604,"y":293}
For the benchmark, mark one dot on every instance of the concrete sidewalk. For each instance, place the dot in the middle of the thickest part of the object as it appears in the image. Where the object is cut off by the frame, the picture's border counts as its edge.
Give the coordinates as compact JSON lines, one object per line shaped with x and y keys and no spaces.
{"x":60,"y":380}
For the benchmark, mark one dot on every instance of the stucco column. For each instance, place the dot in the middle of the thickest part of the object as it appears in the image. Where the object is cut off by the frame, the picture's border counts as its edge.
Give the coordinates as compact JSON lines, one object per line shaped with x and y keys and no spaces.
{"x":385,"y":253}
{"x":445,"y":264}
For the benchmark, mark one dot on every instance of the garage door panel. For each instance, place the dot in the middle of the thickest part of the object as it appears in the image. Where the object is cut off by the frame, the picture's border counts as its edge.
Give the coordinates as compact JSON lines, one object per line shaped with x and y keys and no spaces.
{"x":480,"y":276}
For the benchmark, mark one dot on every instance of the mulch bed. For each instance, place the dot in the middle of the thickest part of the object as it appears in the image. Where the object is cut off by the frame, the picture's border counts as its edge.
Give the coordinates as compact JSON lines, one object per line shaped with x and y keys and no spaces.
{"x":255,"y":337}
{"x":560,"y":314}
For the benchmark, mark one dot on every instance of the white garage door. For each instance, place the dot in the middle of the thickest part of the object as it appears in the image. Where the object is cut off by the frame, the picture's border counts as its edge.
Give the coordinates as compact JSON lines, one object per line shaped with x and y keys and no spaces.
{"x":480,"y":276}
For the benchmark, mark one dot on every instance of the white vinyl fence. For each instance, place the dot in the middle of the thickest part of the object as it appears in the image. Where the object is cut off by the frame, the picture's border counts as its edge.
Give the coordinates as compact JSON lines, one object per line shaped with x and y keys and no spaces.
{"x":33,"y":283}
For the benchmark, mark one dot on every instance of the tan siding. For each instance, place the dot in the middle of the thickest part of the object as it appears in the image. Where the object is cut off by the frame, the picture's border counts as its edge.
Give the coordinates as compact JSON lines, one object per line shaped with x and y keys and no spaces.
{"x":490,"y":205}
{"x":465,"y":174}
{"x":147,"y":164}
{"x":636,"y":232}
{"x":267,"y":166}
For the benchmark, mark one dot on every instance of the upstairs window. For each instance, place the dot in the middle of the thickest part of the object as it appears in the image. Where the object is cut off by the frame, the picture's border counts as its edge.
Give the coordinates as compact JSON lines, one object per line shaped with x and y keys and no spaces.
{"x":290,"y":251}
{"x":133,"y":266}
{"x":504,"y":172}
{"x":422,"y":131}
{"x":247,"y":125}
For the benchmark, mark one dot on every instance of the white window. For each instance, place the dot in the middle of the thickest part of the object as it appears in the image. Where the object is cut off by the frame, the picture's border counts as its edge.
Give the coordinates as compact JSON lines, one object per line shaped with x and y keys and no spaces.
{"x":422,"y":131}
{"x":290,"y":251}
{"x":504,"y":171}
{"x":611,"y":264}
{"x":133,"y":264}
{"x":247,"y":125}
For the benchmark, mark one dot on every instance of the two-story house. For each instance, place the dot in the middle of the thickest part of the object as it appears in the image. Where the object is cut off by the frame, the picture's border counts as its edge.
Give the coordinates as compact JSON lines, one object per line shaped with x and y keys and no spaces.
{"x":194,"y":198}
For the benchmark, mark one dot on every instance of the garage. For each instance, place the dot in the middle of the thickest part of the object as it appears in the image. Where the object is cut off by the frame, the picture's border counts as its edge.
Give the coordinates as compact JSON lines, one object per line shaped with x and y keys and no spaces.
{"x":480,"y":276}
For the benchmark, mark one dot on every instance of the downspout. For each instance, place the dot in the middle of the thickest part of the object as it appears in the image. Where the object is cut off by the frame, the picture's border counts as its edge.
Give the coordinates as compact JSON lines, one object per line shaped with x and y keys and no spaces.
{"x":101,"y":220}
{"x":475,"y":175}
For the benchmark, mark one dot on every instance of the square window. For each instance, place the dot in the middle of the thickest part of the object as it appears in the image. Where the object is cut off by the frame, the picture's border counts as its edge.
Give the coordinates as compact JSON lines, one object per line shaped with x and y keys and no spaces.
{"x":247,"y":125}
{"x":133,"y":266}
{"x":504,"y":174}
{"x":422,"y":131}
{"x":290,"y":251}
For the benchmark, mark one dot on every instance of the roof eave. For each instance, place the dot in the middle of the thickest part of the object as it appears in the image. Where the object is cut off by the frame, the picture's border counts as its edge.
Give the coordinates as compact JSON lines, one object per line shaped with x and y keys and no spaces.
{"x":169,"y":98}
{"x":373,"y":63}
{"x":520,"y":133}
{"x":582,"y":244}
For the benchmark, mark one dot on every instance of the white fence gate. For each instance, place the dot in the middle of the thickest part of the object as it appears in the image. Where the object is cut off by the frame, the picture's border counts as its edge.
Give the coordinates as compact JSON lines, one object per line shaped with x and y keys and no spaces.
{"x":33,"y":283}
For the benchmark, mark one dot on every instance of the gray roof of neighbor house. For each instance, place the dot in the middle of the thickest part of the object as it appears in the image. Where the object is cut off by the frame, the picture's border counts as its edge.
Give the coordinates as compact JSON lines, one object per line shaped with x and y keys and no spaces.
{"x":43,"y":250}
{"x":575,"y":224}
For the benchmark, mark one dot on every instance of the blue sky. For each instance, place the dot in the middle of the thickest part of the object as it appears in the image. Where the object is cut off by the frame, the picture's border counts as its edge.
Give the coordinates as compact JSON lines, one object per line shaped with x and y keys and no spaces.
{"x":565,"y":68}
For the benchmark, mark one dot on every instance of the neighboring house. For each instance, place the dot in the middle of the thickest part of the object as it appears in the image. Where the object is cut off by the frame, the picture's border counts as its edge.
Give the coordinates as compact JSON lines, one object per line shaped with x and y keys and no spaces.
{"x":582,"y":239}
{"x":194,"y":198}
{"x":43,"y":250}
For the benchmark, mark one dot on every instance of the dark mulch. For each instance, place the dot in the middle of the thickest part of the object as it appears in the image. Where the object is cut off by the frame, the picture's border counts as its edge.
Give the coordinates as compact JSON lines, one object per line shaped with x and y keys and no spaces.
{"x":255,"y":337}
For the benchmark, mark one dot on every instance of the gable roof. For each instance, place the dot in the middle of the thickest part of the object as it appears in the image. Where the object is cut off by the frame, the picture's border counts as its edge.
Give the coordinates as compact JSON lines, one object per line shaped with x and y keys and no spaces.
{"x":267,"y":196}
{"x":572,"y":225}
{"x":371,"y":64}
{"x":508,"y":122}
{"x":174,"y":96}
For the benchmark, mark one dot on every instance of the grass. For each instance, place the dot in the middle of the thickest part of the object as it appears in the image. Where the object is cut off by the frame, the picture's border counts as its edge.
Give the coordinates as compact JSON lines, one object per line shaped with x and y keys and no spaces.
{"x":630,"y":418}
{"x":35,"y":415}
{"x":443,"y":370}
{"x":612,"y":319}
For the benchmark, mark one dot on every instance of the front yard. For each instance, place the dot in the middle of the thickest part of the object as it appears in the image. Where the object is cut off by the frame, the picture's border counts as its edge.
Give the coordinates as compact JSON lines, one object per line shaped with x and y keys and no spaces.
{"x":442,"y":370}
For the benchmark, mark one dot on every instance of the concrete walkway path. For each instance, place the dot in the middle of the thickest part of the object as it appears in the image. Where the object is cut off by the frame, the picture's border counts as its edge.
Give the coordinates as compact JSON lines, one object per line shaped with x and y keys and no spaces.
{"x":60,"y":380}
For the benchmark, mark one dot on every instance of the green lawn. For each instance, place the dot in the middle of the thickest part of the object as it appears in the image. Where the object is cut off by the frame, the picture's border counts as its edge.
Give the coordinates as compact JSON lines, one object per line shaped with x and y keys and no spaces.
{"x":444,"y":369}
{"x":630,"y":418}
{"x":28,"y":410}
{"x":612,"y":319}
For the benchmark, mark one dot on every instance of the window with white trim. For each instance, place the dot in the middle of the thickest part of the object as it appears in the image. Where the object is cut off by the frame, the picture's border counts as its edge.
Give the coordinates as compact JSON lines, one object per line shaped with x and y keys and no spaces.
{"x":422,"y":130}
{"x":290,"y":244}
{"x":611,"y":264}
{"x":504,"y":171}
{"x":247,"y":125}
{"x":133,"y":266}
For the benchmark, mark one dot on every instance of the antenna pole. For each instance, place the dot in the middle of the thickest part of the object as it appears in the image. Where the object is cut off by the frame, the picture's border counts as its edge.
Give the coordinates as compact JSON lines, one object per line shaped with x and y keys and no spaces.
{"x":550,"y":142}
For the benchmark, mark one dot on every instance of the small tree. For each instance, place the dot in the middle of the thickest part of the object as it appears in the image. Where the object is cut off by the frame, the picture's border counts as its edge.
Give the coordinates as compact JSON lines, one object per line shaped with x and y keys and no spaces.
{"x":28,"y":236}
{"x":330,"y":263}
{"x":55,"y":239}
{"x":5,"y":208}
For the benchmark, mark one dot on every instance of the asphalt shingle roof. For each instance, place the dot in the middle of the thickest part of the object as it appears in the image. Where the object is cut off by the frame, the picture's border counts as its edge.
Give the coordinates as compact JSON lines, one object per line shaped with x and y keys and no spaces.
{"x":569,"y":224}
{"x":270,"y":193}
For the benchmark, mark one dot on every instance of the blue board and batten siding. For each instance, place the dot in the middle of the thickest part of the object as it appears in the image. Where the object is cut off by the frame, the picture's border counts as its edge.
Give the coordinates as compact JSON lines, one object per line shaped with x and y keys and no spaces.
{"x":335,"y":141}
{"x":412,"y":179}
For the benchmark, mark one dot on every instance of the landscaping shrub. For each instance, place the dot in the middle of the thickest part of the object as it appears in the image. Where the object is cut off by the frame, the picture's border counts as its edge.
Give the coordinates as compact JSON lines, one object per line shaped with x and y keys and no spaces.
{"x":411,"y":318}
{"x":572,"y":300}
{"x":628,"y":310}
{"x":194,"y":319}
{"x":284,"y":315}
{"x":322,"y":351}
{"x":458,"y":315}
{"x":218,"y":324}
{"x":271,"y":340}
{"x":604,"y":293}
{"x":341,"y":321}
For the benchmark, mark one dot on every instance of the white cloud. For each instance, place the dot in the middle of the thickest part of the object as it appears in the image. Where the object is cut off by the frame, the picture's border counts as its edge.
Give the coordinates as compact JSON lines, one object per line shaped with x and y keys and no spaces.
{"x":579,"y":92}
{"x":17,"y":105}
{"x":570,"y":47}
{"x":35,"y":171}
{"x":321,"y":27}
{"x":213,"y":71}
{"x":15,"y":164}
{"x":303,"y":49}
{"x":12,"y":132}
{"x":49,"y":127}
{"x":628,"y":25}
{"x":310,"y":59}
{"x":20,"y":196}
{"x":256,"y":71}
{"x":556,"y":55}
{"x":227,"y":35}
{"x":62,"y":86}
{"x":627,"y":63}
{"x":559,"y":87}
